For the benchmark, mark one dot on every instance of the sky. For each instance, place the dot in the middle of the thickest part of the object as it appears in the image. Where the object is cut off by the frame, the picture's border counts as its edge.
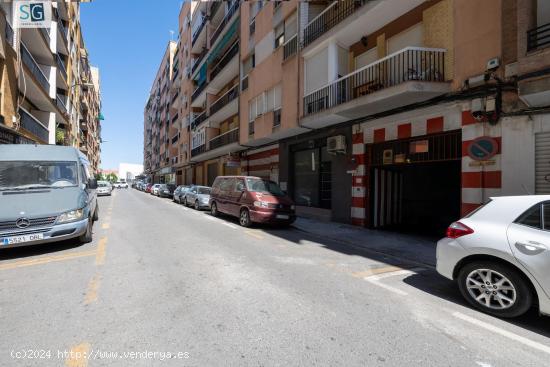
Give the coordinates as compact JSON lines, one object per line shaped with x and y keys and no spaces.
{"x":126,"y":39}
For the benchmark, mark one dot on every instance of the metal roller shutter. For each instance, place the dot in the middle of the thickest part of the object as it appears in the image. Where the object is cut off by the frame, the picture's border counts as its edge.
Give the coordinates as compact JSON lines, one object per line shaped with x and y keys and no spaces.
{"x":542,"y":163}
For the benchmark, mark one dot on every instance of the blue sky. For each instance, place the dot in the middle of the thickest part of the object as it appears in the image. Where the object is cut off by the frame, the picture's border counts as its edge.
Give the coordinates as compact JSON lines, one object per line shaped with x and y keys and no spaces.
{"x":126,"y":40}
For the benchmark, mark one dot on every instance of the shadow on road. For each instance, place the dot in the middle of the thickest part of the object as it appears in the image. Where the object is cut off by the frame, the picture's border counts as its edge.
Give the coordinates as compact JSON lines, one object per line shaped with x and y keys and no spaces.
{"x":431,"y":283}
{"x":40,"y":249}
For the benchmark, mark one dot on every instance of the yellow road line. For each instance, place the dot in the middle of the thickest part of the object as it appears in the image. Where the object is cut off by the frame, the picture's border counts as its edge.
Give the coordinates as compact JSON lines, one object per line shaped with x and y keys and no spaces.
{"x":100,"y":255}
{"x":91,"y":293}
{"x":105,"y":225}
{"x":78,"y":355}
{"x":255,"y":235}
{"x":375,"y":271}
{"x":108,"y":218}
{"x":45,"y":260}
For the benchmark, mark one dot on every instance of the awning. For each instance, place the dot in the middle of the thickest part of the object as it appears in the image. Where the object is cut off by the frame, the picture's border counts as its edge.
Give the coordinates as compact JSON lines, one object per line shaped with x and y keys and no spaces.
{"x":224,"y":41}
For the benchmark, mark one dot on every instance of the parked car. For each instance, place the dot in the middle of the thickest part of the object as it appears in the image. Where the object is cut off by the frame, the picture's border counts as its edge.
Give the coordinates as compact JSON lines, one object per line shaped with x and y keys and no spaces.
{"x":47,"y":195}
{"x":104,"y":188}
{"x":148,"y":188}
{"x":155,"y":189}
{"x":166,"y":190}
{"x":252,"y":200}
{"x":179,"y":193}
{"x":120,"y":185}
{"x":198,"y":197}
{"x":500,"y":255}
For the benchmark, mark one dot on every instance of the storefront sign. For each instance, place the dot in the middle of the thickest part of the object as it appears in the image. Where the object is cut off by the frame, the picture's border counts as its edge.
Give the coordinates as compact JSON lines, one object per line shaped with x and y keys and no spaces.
{"x":233,"y":161}
{"x":400,"y":158}
{"x":483,"y":148}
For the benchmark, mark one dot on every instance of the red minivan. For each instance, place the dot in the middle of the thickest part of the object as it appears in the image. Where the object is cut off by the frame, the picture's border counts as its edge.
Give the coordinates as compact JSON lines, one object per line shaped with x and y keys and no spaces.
{"x":252,"y":200}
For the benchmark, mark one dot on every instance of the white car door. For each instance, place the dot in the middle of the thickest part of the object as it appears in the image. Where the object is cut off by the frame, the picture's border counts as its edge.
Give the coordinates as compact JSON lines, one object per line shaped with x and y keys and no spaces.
{"x":529,"y":238}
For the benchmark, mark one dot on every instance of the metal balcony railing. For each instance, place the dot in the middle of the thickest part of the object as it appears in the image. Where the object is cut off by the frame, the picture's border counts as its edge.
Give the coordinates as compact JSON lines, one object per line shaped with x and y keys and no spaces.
{"x":63,"y":30}
{"x":277,"y":117}
{"x":244,"y":83}
{"x":29,"y":61}
{"x":538,"y":37}
{"x":198,"y":91}
{"x":32,"y":125}
{"x":198,"y":60}
{"x":198,"y":150}
{"x":232,"y":136}
{"x":61,"y":65}
{"x":9,"y":34}
{"x":175,"y":96}
{"x":331,"y":16}
{"x":234,"y":50}
{"x":290,"y":47}
{"x":199,"y":119}
{"x":198,"y":31}
{"x":224,"y":100}
{"x":251,"y":128}
{"x":226,"y":19}
{"x":61,"y":104}
{"x":46,"y":33}
{"x":411,"y":63}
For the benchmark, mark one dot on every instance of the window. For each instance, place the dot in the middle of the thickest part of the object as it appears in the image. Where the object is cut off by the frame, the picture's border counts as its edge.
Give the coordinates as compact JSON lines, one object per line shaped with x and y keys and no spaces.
{"x":291,"y":26}
{"x":531,"y":218}
{"x":279,"y":35}
{"x":239,"y":186}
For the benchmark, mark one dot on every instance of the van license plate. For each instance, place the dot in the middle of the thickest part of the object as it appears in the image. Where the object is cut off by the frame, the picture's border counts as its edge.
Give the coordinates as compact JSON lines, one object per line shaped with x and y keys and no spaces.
{"x":20,"y":239}
{"x":282,"y":216}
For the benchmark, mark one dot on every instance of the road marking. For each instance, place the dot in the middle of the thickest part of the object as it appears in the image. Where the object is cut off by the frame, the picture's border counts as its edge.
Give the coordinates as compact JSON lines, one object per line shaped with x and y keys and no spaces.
{"x":78,"y":356}
{"x":46,"y":259}
{"x":507,"y":334}
{"x":255,"y":235}
{"x":100,"y":254}
{"x":105,"y":225}
{"x":375,"y":271}
{"x":209,"y":217}
{"x":91,"y":293}
{"x":386,"y":287}
{"x":108,"y":218}
{"x":230,"y":225}
{"x":375,"y":279}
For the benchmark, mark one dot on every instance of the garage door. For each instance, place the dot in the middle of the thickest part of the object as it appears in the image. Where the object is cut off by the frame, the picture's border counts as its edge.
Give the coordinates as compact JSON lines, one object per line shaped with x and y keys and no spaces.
{"x":542,"y":163}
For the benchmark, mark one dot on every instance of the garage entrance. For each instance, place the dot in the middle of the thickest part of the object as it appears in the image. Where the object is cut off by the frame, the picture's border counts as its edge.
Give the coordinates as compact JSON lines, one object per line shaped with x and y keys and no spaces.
{"x":415,"y":183}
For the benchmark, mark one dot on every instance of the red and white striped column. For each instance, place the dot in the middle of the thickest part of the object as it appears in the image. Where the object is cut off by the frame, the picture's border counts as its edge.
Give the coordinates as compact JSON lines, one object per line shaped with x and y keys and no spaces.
{"x":359,"y":179}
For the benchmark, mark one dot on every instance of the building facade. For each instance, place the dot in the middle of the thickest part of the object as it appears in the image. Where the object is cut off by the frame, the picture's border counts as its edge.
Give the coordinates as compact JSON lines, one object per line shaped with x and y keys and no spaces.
{"x":381,"y":113}
{"x":47,"y":92}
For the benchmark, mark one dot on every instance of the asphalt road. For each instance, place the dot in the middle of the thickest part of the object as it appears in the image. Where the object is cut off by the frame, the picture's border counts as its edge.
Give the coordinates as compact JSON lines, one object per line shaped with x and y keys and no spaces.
{"x":161,"y":281}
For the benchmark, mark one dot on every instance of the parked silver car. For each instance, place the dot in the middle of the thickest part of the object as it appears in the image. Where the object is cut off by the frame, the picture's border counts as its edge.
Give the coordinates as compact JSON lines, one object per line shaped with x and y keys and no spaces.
{"x":500,"y":255}
{"x":198,"y":197}
{"x":46,"y":194}
{"x":155,"y":189}
{"x":179,"y":193}
{"x":104,"y":188}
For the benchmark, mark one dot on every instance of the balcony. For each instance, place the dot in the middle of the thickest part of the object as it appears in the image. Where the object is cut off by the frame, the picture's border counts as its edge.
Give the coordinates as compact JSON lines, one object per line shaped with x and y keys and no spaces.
{"x":198,"y":150}
{"x":538,"y":38}
{"x":226,"y":20}
{"x":198,"y":37}
{"x":9,"y":34}
{"x":32,"y":125}
{"x":199,"y":119}
{"x":198,"y":60}
{"x":175,"y":102}
{"x":225,"y":106}
{"x":59,"y":101}
{"x":225,"y":70}
{"x":412,"y":75}
{"x":290,"y":47}
{"x":61,"y":66}
{"x":195,"y":101}
{"x":232,"y":136}
{"x":35,"y":70}
{"x":331,"y":16}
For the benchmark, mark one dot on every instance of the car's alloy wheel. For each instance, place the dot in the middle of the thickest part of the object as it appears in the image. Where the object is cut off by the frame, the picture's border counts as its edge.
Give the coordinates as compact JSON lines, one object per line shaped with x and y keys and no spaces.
{"x":244,"y":218}
{"x":214,"y":210}
{"x":87,"y":236}
{"x":185,"y":202}
{"x":495,"y":288}
{"x":197,"y":207}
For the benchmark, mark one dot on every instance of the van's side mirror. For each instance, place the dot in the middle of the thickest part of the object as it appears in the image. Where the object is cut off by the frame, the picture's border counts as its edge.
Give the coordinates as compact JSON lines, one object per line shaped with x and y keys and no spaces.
{"x":92,"y":183}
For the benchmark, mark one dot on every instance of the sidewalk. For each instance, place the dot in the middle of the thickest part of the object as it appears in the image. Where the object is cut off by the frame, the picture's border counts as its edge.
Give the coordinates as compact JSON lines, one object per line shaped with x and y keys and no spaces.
{"x":411,"y":247}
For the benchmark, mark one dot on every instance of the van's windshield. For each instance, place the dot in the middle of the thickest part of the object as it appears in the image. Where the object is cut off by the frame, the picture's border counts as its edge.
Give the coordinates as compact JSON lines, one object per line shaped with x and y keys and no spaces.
{"x":264,"y":186}
{"x":21,"y":175}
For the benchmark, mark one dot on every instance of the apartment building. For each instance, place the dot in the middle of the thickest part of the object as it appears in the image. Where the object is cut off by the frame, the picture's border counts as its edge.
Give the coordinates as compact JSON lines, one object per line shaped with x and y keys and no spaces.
{"x":401,"y":114}
{"x":45,"y":83}
{"x":158,"y":125}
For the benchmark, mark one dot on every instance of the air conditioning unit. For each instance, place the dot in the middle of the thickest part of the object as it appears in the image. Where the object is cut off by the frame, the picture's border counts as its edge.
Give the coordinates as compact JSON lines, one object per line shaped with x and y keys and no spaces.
{"x":336,"y":144}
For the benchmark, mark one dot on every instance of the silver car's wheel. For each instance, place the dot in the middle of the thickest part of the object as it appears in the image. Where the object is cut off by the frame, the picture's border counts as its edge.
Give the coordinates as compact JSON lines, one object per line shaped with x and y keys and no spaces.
{"x":491,"y":289}
{"x":495,"y":288}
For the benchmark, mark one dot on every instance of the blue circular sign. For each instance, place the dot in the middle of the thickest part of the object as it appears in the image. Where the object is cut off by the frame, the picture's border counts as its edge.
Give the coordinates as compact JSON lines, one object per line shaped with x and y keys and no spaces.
{"x":483,"y":148}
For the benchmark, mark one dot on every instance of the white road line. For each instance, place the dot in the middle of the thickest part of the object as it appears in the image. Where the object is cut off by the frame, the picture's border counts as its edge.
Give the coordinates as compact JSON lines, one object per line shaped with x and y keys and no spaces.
{"x":230,"y":225}
{"x":210,"y":218}
{"x":386,"y":287}
{"x":507,"y":334}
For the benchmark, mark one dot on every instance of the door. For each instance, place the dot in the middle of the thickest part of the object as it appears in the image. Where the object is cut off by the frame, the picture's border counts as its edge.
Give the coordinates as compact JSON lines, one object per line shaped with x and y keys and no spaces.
{"x":542,"y":163}
{"x":234,"y":202}
{"x":226,"y":188}
{"x":529,"y":239}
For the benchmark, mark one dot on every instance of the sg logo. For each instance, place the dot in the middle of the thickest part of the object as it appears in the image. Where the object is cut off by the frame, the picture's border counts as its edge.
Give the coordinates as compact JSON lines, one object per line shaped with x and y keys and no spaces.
{"x":32,"y":12}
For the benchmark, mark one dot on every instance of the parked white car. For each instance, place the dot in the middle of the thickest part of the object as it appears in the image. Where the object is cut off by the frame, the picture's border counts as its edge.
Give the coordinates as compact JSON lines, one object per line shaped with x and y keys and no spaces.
{"x":500,"y":255}
{"x":155,"y":189}
{"x":120,"y":185}
{"x":104,"y":188}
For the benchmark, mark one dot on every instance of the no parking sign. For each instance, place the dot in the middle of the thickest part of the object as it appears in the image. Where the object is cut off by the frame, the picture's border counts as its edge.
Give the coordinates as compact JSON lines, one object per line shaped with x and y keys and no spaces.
{"x":483,"y":148}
